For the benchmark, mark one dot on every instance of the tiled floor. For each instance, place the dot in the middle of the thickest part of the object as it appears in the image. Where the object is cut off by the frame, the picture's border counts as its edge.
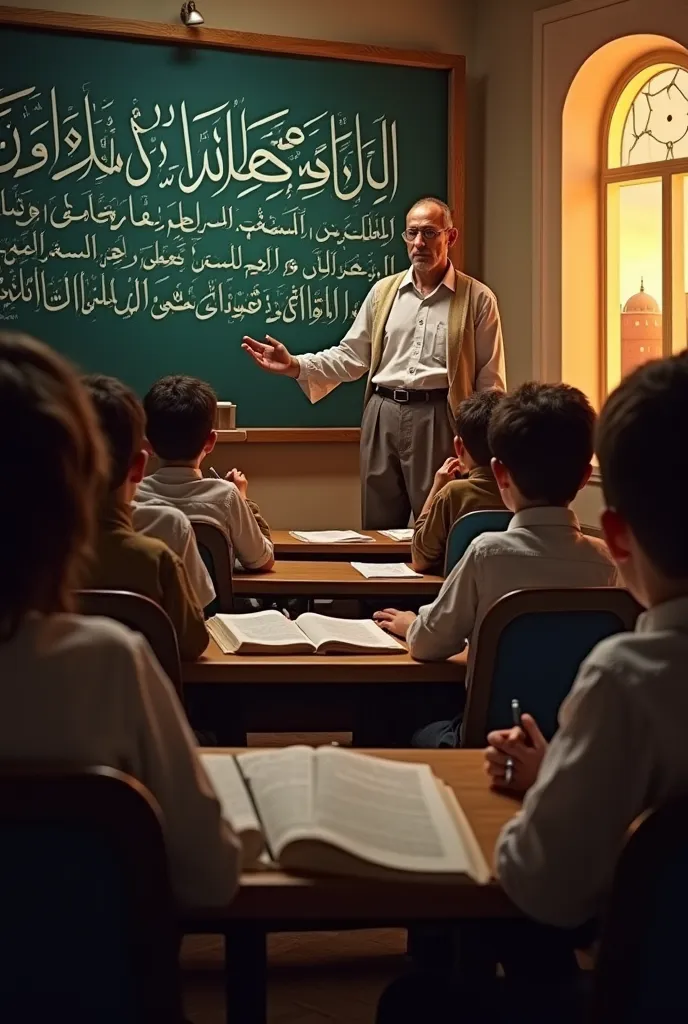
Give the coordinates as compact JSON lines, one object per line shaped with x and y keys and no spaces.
{"x":315,"y":977}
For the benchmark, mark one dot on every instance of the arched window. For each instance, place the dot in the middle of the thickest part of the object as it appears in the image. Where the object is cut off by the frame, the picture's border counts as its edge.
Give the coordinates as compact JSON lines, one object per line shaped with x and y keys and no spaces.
{"x":644,"y":181}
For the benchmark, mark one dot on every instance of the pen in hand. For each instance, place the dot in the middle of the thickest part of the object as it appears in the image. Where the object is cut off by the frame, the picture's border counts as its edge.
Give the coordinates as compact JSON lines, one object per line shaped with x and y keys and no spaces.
{"x":516,"y":719}
{"x":215,"y":473}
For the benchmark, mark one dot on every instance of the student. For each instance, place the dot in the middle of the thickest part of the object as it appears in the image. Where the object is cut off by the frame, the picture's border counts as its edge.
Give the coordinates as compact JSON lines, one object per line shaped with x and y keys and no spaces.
{"x":180,"y":412}
{"x":449,"y":499}
{"x":78,"y":689}
{"x":173,"y":527}
{"x":125,"y":559}
{"x":541,"y":436}
{"x":620,"y":750}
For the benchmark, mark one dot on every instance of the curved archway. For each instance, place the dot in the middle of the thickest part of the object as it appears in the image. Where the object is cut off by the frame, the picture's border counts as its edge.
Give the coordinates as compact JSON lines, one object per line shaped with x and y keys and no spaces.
{"x":586,"y":115}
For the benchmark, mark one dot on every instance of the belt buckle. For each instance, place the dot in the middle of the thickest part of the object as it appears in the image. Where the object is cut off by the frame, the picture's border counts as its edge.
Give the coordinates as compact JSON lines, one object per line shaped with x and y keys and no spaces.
{"x":398,"y":392}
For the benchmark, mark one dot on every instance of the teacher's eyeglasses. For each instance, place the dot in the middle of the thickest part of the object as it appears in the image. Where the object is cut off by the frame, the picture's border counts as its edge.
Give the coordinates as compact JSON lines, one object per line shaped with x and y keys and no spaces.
{"x":428,"y":234}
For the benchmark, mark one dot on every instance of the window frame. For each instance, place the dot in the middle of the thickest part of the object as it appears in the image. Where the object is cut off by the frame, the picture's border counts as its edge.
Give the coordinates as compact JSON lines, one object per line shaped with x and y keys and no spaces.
{"x":665,"y":170}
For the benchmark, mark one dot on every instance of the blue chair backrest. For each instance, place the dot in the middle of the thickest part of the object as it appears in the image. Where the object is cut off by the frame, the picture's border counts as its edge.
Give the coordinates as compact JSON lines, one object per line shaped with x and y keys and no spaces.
{"x":538,"y":657}
{"x":470,"y":526}
{"x":640,"y":971}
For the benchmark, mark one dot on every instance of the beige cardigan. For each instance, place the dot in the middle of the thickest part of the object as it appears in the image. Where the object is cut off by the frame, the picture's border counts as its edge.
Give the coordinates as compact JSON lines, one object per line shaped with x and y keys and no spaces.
{"x":460,"y":336}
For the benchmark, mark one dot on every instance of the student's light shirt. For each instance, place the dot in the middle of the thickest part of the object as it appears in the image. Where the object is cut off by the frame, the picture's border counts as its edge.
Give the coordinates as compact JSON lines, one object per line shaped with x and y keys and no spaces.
{"x":173,"y":527}
{"x":414,"y":354}
{"x":620,"y":750}
{"x":542,"y":547}
{"x":220,"y":500}
{"x":89,"y":690}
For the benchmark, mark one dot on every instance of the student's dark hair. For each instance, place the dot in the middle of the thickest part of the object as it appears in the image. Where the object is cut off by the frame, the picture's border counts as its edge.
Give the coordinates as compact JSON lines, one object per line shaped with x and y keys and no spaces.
{"x":122,"y":422}
{"x":55,"y":464}
{"x":644,"y":423}
{"x":472,"y":423}
{"x":543,"y":434}
{"x":180,"y":414}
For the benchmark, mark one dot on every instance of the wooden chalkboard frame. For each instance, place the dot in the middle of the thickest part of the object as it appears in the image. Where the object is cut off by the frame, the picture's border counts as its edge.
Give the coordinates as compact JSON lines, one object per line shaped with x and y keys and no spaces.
{"x":219,"y":38}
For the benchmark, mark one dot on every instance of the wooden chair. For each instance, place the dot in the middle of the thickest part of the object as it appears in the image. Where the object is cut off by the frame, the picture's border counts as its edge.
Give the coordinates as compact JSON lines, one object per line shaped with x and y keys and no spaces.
{"x":639,"y":975}
{"x":143,"y":615}
{"x":470,"y":526}
{"x":88,"y":930}
{"x":215,"y":549}
{"x":529,"y":646}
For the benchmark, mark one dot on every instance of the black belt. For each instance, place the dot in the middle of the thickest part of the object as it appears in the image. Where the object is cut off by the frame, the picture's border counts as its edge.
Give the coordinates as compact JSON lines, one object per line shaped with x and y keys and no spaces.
{"x":417,"y":395}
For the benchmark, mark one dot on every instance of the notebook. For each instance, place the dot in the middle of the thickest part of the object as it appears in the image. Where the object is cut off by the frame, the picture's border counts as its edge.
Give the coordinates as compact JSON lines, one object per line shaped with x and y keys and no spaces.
{"x":384,"y":570}
{"x":330,"y":536}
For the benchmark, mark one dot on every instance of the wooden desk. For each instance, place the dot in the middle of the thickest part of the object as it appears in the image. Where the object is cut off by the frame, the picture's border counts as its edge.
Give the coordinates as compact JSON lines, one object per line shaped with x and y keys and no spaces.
{"x":275,"y":901}
{"x":381,"y":549}
{"x":330,"y":579}
{"x":299,"y":692}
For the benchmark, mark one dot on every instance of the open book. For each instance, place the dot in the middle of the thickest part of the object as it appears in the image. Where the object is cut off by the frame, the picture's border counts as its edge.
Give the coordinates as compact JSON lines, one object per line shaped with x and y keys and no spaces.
{"x":385,"y":570}
{"x":335,"y":812}
{"x":401,"y":535}
{"x":271,"y":633}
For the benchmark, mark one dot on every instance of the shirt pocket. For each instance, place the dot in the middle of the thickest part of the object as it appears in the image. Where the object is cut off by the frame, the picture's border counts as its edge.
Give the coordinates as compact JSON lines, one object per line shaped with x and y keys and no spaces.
{"x":438,"y":346}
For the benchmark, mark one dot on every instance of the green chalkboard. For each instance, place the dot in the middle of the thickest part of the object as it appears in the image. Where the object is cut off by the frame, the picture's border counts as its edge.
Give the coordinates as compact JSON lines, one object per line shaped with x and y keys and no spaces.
{"x":158,"y":201}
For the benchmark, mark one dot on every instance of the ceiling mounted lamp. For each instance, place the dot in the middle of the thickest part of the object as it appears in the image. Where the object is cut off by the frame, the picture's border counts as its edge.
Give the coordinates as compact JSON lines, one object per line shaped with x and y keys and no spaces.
{"x":189,"y":15}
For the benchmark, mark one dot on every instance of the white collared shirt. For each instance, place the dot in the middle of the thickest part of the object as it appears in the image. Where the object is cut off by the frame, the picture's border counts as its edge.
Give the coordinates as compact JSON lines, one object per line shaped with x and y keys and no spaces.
{"x":90,"y":691}
{"x":414,"y":354}
{"x":172,"y":526}
{"x":198,"y":495}
{"x":542,"y":547}
{"x":620,"y":750}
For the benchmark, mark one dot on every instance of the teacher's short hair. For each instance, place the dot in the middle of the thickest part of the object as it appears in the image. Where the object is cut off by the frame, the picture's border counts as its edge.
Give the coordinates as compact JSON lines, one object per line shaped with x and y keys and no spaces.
{"x":446,"y":212}
{"x":180,"y":415}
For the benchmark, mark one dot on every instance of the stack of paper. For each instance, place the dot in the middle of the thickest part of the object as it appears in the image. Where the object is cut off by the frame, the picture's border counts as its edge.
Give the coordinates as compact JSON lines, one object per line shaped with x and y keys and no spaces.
{"x":330,"y":536}
{"x":404,"y":535}
{"x":384,"y":570}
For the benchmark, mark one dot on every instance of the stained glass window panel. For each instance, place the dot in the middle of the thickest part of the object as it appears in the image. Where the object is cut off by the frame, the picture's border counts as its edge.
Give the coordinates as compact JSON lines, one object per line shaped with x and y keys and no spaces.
{"x":656,"y":126}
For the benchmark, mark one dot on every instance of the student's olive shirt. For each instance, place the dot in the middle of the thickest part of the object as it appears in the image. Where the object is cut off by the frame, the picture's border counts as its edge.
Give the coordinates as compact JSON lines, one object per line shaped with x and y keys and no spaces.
{"x":477,"y":492}
{"x":126,"y":560}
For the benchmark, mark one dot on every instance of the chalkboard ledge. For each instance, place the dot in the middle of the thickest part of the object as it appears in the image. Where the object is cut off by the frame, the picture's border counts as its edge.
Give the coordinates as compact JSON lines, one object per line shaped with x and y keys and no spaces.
{"x":290,"y":435}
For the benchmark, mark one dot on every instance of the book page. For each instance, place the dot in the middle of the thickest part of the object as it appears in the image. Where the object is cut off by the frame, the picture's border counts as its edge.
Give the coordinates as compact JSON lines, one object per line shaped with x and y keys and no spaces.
{"x":282,"y":785}
{"x":362,"y":632}
{"x":402,"y":535}
{"x":388,"y":812}
{"x":384,"y":570}
{"x":267,"y":628}
{"x":235,"y":802}
{"x":330,"y":536}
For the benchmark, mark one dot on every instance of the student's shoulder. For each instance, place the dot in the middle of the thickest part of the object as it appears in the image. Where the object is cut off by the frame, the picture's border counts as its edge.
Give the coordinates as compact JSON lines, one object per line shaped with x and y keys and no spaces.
{"x":598,"y":549}
{"x":634,"y":659}
{"x":91,"y":638}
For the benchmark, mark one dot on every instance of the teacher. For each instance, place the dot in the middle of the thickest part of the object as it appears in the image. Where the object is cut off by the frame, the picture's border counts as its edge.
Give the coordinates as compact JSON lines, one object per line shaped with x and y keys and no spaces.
{"x":427,"y":338}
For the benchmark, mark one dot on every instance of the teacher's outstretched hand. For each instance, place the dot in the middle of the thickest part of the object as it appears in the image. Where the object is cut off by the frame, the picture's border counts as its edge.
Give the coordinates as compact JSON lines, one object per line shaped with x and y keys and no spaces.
{"x":271,"y":355}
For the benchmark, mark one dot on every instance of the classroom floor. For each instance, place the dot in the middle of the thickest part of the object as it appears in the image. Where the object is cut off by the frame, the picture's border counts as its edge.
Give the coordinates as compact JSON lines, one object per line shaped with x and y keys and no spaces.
{"x":314,"y":977}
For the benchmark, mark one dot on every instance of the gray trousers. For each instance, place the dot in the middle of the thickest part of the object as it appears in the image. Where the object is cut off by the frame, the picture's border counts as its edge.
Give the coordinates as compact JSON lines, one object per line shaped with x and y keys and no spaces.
{"x":402,"y":446}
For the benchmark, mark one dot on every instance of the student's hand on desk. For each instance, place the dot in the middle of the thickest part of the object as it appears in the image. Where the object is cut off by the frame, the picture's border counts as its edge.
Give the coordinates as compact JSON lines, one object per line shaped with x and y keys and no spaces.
{"x":272,"y":355}
{"x":393,"y":621}
{"x":235,"y":476}
{"x":526,"y":747}
{"x":447,"y":472}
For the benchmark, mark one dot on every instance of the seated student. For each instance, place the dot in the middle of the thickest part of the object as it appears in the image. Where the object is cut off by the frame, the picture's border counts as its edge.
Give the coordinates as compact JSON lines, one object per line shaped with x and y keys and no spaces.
{"x":180,"y":412}
{"x":620,"y":750}
{"x":541,"y":436}
{"x":77,"y":688}
{"x":449,"y":499}
{"x":173,"y":527}
{"x":125,"y":559}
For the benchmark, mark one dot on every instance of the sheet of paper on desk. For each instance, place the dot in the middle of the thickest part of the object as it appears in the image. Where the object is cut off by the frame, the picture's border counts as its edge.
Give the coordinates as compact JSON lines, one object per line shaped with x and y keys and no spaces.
{"x":330,"y":536}
{"x":384,"y":570}
{"x":401,"y":535}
